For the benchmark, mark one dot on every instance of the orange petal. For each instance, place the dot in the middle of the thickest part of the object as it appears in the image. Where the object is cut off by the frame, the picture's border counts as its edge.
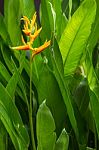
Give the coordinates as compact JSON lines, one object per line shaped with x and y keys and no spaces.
{"x":26,"y":19}
{"x":33,"y":21}
{"x":27,"y":32}
{"x":23,"y":41}
{"x":23,"y":47}
{"x":32,"y":37}
{"x":41,"y":48}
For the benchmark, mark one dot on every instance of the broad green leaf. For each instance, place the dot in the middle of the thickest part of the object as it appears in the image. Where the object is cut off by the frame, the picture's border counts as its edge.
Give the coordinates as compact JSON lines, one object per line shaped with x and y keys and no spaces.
{"x":3,"y":30}
{"x":73,"y":40}
{"x":46,"y":20}
{"x":60,"y":17}
{"x":94,"y":101}
{"x":52,"y":15}
{"x":63,"y":141}
{"x":12,"y":13}
{"x":65,"y":94}
{"x":12,"y":120}
{"x":48,"y":89}
{"x":46,"y":136}
{"x":94,"y":36}
{"x":28,"y":8}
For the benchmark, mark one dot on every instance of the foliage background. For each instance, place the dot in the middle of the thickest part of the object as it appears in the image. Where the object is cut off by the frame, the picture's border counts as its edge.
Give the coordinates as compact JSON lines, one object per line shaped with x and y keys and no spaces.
{"x":65,"y":76}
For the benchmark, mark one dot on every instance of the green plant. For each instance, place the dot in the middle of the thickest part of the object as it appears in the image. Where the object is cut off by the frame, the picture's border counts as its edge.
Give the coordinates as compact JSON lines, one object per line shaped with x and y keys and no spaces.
{"x":50,"y":102}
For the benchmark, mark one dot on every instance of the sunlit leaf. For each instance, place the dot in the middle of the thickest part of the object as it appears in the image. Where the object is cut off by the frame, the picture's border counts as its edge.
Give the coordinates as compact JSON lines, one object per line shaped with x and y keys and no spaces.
{"x":73,"y":40}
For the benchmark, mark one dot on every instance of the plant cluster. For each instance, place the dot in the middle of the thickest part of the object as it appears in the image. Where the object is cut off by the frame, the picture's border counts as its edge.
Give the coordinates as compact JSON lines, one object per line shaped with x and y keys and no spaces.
{"x":49,"y":94}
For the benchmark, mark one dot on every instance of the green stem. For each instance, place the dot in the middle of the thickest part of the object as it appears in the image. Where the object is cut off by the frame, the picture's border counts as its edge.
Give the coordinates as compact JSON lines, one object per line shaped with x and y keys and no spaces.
{"x":30,"y":110}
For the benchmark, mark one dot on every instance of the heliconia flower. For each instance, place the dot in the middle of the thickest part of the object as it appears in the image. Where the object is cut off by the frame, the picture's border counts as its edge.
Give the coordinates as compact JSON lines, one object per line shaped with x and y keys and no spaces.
{"x":41,"y":48}
{"x":30,"y":30}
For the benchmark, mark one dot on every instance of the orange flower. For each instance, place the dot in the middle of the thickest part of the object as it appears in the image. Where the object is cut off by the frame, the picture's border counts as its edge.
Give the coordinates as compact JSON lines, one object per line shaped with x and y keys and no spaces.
{"x":40,"y":49}
{"x":30,"y":30}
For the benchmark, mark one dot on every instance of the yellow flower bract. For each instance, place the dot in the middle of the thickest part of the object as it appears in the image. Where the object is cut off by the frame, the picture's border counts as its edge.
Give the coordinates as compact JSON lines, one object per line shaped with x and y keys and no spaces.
{"x":30,"y":30}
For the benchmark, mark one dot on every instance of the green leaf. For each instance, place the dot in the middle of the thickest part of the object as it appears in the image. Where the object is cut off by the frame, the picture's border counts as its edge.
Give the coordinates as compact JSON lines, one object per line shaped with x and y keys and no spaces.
{"x":4,"y":72}
{"x":70,"y":8}
{"x":60,"y":17}
{"x":91,"y":74}
{"x":94,"y":101}
{"x":63,"y":141}
{"x":28,"y":8}
{"x":52,"y":15}
{"x":94,"y":36}
{"x":82,"y":127}
{"x":7,"y":77}
{"x":12,"y":87}
{"x":3,"y":30}
{"x":73,"y":40}
{"x":12,"y":120}
{"x":46,"y":20}
{"x":57,"y":55}
{"x":12,"y":13}
{"x":46,"y":136}
{"x":8,"y":57}
{"x":48,"y":89}
{"x":82,"y":96}
{"x":3,"y":137}
{"x":58,"y":73}
{"x":66,"y":97}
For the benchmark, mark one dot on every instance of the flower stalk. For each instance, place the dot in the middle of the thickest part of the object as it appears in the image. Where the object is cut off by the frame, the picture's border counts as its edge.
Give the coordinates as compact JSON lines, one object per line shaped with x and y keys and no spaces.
{"x":31,"y":31}
{"x":31,"y":108}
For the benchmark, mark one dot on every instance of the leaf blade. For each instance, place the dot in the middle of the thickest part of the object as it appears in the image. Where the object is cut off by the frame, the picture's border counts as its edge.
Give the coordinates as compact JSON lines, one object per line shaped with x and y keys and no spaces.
{"x":77,"y":31}
{"x":45,"y":128}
